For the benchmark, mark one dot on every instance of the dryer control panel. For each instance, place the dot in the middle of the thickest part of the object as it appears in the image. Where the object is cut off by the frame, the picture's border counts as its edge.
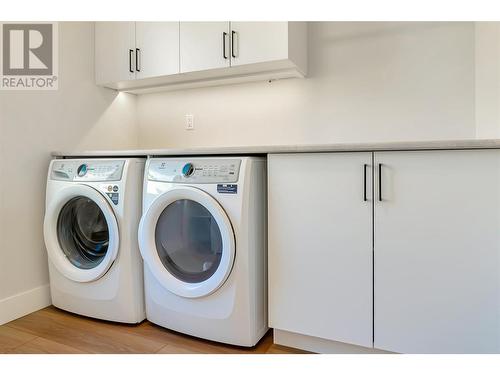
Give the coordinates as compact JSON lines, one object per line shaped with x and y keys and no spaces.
{"x":87,"y":170}
{"x":196,"y":171}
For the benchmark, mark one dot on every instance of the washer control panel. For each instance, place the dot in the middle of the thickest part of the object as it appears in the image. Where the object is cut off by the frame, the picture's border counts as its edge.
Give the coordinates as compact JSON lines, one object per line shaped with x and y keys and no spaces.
{"x":87,"y":170}
{"x":201,"y":171}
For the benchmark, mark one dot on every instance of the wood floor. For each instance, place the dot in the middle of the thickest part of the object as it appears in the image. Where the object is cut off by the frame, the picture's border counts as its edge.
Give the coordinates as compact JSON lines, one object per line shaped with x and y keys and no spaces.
{"x":51,"y":330}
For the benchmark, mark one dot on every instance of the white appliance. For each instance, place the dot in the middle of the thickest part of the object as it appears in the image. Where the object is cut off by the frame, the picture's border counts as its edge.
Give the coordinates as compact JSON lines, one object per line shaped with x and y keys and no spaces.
{"x":93,"y":208}
{"x":203,"y":240}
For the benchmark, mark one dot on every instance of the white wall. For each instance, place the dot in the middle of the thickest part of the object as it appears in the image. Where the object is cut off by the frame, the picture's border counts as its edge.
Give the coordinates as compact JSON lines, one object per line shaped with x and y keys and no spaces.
{"x":32,"y":124}
{"x":367,"y":82}
{"x":487,"y":82}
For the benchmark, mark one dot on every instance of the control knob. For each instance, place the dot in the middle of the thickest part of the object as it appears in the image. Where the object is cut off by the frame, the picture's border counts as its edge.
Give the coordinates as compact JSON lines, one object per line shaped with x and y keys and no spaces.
{"x":188,"y":169}
{"x":82,"y":170}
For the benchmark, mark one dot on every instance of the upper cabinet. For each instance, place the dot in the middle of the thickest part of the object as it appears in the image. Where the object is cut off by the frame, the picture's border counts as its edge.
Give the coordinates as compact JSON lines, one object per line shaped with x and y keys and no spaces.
{"x":157,"y":46}
{"x":150,"y":56}
{"x":114,"y":52}
{"x":204,"y":45}
{"x":127,"y":51}
{"x":257,"y":42}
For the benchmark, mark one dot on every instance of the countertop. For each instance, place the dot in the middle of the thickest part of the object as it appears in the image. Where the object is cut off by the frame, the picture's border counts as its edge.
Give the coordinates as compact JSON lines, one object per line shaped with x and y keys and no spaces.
{"x":280,"y":149}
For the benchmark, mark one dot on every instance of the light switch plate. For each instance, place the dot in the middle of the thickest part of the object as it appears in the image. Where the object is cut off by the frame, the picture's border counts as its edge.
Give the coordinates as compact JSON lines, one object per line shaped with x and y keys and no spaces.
{"x":189,"y":122}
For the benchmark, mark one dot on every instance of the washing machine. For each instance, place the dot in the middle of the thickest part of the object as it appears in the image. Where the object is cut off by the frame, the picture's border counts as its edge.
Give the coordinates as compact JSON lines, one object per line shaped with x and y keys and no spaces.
{"x":93,"y":209}
{"x":202,"y":236}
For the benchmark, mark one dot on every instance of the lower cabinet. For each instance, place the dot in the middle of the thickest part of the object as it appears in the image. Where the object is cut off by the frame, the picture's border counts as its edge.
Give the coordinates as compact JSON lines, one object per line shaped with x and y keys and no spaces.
{"x":418,"y":260}
{"x":437,"y":252}
{"x":320,"y":245}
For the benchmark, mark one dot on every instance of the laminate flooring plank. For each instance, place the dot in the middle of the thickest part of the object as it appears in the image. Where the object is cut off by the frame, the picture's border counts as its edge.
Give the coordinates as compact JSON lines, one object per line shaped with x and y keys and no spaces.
{"x":44,"y":346}
{"x":11,"y":338}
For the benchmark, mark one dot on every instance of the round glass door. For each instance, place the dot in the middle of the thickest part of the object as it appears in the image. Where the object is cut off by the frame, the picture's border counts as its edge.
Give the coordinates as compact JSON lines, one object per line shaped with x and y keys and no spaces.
{"x":83,"y":232}
{"x":188,"y":241}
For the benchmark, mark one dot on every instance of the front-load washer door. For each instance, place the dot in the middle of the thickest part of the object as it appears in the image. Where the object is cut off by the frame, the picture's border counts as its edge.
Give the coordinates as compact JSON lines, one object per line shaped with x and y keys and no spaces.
{"x":187,"y":241}
{"x":81,"y":233}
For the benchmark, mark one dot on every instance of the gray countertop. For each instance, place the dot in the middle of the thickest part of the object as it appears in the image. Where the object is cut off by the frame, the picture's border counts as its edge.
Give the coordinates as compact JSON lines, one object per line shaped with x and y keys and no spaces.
{"x":280,"y":149}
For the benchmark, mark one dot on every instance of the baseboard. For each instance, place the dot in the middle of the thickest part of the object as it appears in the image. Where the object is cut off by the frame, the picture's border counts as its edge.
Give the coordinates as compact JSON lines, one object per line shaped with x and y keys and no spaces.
{"x":24,"y":303}
{"x":319,"y":345}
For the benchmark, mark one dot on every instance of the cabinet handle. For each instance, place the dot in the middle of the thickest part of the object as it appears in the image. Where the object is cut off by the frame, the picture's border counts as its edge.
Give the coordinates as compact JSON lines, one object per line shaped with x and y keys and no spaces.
{"x":233,"y":34}
{"x":224,"y":35}
{"x":130,"y":53}
{"x":137,"y":55}
{"x":364,"y":182}
{"x":380,"y":182}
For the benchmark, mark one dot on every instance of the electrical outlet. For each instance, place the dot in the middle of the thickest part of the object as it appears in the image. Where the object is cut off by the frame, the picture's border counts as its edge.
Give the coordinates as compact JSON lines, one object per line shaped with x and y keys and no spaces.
{"x":189,"y":122}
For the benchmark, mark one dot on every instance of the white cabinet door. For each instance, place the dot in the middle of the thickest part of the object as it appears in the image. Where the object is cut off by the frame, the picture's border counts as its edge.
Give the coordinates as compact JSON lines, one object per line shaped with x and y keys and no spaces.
{"x":157,"y":45}
{"x":320,"y":245}
{"x":204,"y":45}
{"x":437,"y":252}
{"x":114,"y":51}
{"x":255,"y":42}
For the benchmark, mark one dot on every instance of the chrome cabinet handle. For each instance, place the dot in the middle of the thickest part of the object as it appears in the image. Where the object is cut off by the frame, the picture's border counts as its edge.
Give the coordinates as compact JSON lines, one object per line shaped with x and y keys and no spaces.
{"x":224,"y":35}
{"x":364,"y":182}
{"x":233,"y":34}
{"x":130,"y":52}
{"x":380,"y":182}
{"x":137,"y":54}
